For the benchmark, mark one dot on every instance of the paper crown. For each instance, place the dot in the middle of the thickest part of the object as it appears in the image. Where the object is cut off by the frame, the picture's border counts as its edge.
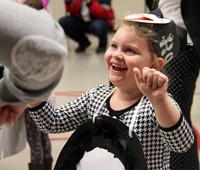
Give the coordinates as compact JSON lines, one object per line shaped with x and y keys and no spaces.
{"x":166,"y":41}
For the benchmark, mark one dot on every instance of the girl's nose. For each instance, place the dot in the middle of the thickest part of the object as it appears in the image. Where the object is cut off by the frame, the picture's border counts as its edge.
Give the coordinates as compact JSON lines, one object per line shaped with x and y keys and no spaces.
{"x":118,"y":54}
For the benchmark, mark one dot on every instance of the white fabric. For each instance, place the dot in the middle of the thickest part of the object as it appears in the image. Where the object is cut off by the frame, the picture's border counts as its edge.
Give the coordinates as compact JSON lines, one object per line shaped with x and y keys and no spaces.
{"x":99,"y":159}
{"x":171,"y":9}
{"x":12,"y":138}
{"x":85,"y":13}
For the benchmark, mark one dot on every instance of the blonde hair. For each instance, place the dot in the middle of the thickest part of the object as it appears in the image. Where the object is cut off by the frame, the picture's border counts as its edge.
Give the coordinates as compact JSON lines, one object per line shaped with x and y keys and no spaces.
{"x":143,"y":30}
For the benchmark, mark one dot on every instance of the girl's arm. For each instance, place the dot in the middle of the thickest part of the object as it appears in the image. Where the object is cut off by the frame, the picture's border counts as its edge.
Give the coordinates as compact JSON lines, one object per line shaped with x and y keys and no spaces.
{"x":153,"y":84}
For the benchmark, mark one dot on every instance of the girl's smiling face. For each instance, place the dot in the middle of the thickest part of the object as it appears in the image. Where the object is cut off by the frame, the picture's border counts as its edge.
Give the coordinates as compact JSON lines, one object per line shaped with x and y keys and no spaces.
{"x":126,"y":51}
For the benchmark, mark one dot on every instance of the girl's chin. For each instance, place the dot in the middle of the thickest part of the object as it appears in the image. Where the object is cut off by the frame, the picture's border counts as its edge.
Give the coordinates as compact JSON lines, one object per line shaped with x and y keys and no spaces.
{"x":115,"y":80}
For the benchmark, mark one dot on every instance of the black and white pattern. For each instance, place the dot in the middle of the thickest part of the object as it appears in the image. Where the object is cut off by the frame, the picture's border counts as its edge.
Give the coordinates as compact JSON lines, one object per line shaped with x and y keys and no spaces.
{"x":183,"y":72}
{"x":157,"y":142}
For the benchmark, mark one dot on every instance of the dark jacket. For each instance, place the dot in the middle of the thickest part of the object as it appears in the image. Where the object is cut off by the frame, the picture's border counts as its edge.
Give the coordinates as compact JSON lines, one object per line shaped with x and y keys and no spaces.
{"x":190,"y":12}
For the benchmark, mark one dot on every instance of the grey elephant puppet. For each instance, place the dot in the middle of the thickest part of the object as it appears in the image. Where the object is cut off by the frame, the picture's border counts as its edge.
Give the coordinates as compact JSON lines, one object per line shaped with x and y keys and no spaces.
{"x":33,"y":50}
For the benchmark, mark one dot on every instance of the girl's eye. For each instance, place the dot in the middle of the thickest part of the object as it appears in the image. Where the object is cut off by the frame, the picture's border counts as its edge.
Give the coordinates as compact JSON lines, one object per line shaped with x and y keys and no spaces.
{"x":113,"y":45}
{"x":130,"y":51}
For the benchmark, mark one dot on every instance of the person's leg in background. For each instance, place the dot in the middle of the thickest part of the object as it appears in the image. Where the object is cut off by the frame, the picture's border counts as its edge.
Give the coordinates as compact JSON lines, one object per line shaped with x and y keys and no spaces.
{"x":100,"y":28}
{"x":40,"y":146}
{"x":76,"y":29}
{"x":46,"y":145}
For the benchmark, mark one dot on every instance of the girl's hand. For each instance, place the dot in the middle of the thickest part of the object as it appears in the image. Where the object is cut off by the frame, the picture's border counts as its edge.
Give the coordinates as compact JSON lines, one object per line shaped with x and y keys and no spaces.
{"x":152,"y":83}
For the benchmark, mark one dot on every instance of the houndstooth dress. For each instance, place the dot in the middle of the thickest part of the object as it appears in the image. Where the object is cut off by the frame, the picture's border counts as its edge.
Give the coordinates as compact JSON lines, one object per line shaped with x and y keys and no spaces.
{"x":157,"y":142}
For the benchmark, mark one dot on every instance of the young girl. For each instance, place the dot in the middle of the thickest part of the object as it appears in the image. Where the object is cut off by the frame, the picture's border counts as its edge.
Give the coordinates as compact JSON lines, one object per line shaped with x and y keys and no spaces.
{"x":88,"y":16}
{"x":139,"y":98}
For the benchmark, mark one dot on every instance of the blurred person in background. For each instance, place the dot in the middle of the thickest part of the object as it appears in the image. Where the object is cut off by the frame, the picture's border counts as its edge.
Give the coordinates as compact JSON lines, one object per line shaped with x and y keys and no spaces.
{"x":88,"y":16}
{"x":183,"y":70}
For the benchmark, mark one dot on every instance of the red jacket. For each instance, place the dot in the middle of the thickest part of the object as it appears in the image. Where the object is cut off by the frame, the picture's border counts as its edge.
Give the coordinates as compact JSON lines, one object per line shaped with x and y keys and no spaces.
{"x":97,"y":10}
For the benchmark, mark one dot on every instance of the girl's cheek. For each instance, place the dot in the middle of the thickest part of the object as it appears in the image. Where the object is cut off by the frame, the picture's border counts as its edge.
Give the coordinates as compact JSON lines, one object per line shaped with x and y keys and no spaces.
{"x":107,"y":61}
{"x":106,"y":56}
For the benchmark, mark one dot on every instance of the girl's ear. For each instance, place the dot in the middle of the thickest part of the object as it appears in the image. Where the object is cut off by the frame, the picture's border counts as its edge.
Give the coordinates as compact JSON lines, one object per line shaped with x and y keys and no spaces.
{"x":158,"y":63}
